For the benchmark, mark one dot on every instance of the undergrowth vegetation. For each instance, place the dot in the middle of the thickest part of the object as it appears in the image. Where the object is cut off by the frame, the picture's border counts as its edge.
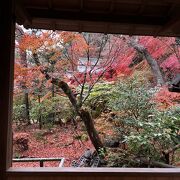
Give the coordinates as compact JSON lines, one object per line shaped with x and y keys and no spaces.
{"x":147,"y":131}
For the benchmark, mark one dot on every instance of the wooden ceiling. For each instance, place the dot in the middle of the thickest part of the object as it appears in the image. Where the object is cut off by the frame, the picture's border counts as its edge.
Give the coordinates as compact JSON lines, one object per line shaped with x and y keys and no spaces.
{"x":133,"y":17}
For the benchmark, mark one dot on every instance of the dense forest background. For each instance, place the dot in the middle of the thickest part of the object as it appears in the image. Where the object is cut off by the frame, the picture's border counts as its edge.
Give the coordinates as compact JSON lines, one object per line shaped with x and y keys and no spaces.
{"x":105,"y":92}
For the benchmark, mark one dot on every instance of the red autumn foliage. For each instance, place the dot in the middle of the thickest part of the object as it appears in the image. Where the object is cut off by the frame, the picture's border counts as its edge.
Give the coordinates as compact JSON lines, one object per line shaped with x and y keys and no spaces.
{"x":166,"y":99}
{"x":69,"y":47}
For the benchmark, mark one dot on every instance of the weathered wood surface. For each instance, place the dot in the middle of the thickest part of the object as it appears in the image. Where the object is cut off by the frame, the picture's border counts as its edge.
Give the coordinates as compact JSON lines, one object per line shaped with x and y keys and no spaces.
{"x":40,"y":160}
{"x":93,"y":174}
{"x":6,"y":79}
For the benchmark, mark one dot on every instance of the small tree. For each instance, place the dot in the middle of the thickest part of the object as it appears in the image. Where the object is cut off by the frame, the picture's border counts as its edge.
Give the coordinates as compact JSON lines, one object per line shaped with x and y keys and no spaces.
{"x":58,"y":56}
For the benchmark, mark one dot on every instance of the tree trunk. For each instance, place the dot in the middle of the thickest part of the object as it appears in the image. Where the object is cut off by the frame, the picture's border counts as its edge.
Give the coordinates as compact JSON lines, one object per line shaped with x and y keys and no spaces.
{"x":20,"y":33}
{"x":93,"y":135}
{"x":154,"y":163}
{"x":84,"y":114}
{"x":40,"y":117}
{"x":152,"y":62}
{"x":53,"y":95}
{"x":175,"y":84}
{"x":26,"y":102}
{"x":24,"y":87}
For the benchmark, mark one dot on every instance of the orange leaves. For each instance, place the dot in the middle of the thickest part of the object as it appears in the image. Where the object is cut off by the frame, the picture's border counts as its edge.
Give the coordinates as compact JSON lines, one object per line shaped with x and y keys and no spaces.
{"x":48,"y":83}
{"x":30,"y":42}
{"x":55,"y":56}
{"x":25,"y":76}
{"x":33,"y":42}
{"x":17,"y":70}
{"x":80,"y":45}
{"x":67,"y":36}
{"x":77,"y":42}
{"x":20,"y":72}
{"x":62,"y":65}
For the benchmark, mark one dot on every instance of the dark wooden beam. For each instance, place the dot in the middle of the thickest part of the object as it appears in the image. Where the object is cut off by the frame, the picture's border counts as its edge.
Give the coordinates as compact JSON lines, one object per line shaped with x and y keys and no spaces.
{"x":111,"y":7}
{"x":144,"y":14}
{"x":50,"y":4}
{"x":23,"y":14}
{"x":96,"y":17}
{"x":171,"y":9}
{"x":80,"y":27}
{"x":81,"y":5}
{"x":132,"y":29}
{"x":172,"y":22}
{"x":6,"y":78}
{"x":142,"y":7}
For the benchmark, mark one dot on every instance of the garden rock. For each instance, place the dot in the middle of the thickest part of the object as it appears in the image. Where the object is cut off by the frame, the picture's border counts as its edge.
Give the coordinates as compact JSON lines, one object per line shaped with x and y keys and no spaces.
{"x":112,"y":143}
{"x":20,"y":141}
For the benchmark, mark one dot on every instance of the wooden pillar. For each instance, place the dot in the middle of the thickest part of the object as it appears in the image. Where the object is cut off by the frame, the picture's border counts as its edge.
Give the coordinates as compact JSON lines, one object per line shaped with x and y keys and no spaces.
{"x":6,"y":82}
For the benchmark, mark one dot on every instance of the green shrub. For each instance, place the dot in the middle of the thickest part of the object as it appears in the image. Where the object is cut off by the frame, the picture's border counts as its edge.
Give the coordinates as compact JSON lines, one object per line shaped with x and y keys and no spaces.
{"x":18,"y":110}
{"x":98,"y":98}
{"x":49,"y":110}
{"x":146,"y":131}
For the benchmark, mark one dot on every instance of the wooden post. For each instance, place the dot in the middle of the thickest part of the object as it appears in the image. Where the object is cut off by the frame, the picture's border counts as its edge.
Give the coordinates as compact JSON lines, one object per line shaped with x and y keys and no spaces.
{"x":41,"y":163}
{"x":6,"y":80}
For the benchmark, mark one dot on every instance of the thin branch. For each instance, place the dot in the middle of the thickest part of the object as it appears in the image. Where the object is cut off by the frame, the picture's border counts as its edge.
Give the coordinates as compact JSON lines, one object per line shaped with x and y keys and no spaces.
{"x":172,"y":48}
{"x":64,"y":86}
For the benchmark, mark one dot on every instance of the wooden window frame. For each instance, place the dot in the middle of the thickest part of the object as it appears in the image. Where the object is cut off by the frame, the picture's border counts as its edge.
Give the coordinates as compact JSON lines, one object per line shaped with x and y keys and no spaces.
{"x":6,"y":93}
